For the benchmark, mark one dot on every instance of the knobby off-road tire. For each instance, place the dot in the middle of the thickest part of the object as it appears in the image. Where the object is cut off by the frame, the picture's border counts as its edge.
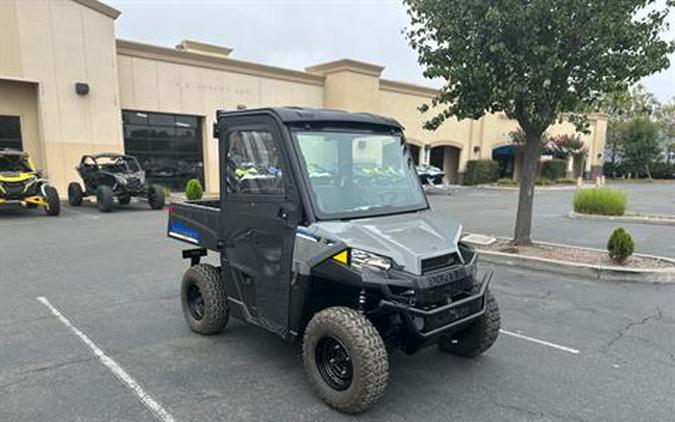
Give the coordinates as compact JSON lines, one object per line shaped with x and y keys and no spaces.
{"x":208,"y":284}
{"x":75,"y":194}
{"x":367,"y":353}
{"x":53,"y":202}
{"x":124,"y":199}
{"x":104,"y":198}
{"x":477,"y":337}
{"x":156,"y":197}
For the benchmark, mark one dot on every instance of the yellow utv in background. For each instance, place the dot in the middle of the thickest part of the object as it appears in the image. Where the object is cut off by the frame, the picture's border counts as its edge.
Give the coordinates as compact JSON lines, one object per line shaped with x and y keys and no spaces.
{"x":21,"y":184}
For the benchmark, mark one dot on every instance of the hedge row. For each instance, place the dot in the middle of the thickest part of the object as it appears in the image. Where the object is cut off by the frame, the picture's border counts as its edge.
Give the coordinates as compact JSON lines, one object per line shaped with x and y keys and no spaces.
{"x":479,"y":172}
{"x":553,"y":169}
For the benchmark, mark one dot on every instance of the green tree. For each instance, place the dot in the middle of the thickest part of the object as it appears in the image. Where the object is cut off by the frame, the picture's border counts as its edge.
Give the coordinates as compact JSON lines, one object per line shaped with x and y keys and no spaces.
{"x":640,"y":146}
{"x":533,"y":60}
{"x":621,"y":107}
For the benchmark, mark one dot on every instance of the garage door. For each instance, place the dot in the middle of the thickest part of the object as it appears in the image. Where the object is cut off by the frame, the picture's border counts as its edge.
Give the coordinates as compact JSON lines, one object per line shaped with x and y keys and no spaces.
{"x":168,"y":146}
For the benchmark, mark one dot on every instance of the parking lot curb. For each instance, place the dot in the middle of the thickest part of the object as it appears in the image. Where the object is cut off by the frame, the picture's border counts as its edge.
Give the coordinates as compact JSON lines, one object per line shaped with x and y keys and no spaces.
{"x":600,"y":272}
{"x":654,"y":219}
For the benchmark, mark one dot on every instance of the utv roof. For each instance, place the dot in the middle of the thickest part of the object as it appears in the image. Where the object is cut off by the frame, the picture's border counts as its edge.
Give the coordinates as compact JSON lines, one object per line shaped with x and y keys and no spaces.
{"x":109,"y":155}
{"x":11,"y":151}
{"x":295,"y":115}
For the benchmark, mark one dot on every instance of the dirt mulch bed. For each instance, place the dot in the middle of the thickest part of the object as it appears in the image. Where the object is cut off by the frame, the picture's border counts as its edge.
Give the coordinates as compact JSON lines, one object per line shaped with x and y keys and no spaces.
{"x":575,"y":255}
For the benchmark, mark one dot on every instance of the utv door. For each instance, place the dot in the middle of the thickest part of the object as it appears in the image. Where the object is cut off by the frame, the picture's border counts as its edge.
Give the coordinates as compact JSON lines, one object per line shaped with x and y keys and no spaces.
{"x":260,"y":204}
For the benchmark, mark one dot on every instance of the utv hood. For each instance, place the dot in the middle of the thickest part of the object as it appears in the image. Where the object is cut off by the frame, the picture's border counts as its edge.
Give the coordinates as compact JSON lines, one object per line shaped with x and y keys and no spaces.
{"x":15,"y":176}
{"x":405,"y":238}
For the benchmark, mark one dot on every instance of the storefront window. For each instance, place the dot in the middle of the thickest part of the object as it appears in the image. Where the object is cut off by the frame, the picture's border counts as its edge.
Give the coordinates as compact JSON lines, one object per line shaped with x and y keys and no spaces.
{"x":168,"y":146}
{"x":10,"y":132}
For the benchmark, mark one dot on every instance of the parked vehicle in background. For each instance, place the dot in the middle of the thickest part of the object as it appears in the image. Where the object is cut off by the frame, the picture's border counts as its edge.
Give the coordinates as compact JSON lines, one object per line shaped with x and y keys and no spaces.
{"x":109,"y":176}
{"x":325,"y":235}
{"x":430,"y":175}
{"x":22,"y":184}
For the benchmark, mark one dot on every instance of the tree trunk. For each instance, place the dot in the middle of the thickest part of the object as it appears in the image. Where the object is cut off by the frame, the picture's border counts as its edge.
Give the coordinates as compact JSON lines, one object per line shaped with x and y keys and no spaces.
{"x":532,"y":151}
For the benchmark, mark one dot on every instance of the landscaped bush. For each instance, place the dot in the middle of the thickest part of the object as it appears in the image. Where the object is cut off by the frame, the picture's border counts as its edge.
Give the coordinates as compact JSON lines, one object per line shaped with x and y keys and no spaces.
{"x":543,"y":181}
{"x":553,"y":169}
{"x":566,"y":181}
{"x":506,"y":181}
{"x":194,"y":190}
{"x":620,"y":245}
{"x":479,"y":172}
{"x":663,"y":170}
{"x":601,"y":201}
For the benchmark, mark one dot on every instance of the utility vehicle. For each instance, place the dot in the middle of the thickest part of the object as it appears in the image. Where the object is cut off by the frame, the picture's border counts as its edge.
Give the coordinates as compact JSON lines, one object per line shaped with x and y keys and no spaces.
{"x":111,"y":175}
{"x":22,"y":184}
{"x":325,"y":235}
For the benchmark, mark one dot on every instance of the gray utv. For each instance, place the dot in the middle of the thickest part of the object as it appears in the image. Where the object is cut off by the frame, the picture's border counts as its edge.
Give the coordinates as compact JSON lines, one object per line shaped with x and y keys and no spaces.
{"x":325,"y":235}
{"x":110,"y":175}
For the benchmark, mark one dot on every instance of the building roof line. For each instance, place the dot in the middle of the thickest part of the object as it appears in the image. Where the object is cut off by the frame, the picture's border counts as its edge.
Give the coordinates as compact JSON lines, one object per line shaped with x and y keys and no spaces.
{"x":100,"y":7}
{"x":137,"y":49}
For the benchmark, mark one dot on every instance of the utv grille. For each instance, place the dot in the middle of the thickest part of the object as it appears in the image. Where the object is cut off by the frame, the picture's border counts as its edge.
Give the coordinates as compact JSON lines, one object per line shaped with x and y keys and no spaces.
{"x":14,"y":189}
{"x":437,"y":262}
{"x":133,"y":183}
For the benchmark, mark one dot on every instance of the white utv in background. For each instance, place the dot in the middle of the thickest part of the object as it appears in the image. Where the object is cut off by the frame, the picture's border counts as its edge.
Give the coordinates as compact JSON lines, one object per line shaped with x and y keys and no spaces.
{"x":325,"y":235}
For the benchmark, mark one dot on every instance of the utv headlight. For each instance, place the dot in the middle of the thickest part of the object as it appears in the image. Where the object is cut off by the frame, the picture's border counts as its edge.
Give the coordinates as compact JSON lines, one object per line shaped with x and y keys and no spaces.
{"x":121,"y":180}
{"x":360,"y":259}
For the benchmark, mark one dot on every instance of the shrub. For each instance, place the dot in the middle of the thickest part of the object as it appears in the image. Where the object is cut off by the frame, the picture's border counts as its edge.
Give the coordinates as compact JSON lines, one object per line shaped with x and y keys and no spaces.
{"x":194,"y":190}
{"x":543,"y":181}
{"x":566,"y":181}
{"x":553,"y":169}
{"x":479,"y":172}
{"x":620,"y":245}
{"x":600,"y":201}
{"x":663,"y":170}
{"x":506,"y":182}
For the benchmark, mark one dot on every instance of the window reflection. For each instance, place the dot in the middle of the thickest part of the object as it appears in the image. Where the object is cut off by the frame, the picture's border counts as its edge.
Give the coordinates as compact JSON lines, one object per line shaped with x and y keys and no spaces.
{"x":168,"y":146}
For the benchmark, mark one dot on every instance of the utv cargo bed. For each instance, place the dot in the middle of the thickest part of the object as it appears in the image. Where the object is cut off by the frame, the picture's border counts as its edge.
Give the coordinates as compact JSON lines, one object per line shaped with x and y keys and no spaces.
{"x":195,"y":222}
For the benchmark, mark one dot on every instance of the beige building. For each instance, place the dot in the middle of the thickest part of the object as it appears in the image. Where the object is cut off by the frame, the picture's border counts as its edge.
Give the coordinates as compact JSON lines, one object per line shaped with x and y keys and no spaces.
{"x":69,"y":87}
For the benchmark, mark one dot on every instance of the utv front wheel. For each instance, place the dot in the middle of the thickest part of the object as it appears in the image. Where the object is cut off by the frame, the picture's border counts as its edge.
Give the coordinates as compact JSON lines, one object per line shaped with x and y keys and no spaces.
{"x":477,"y":337}
{"x":345,"y":359}
{"x":104,"y":198}
{"x":203,"y":300}
{"x":156,"y":197}
{"x":75,"y":194}
{"x":53,"y":207}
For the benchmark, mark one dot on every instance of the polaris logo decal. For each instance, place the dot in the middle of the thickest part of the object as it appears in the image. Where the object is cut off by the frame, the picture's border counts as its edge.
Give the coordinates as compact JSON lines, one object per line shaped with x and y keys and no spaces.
{"x":182,"y":232}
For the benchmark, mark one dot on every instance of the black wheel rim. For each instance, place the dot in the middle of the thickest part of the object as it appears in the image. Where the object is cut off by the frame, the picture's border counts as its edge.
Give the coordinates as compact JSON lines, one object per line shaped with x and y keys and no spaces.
{"x":195,"y":302}
{"x":334,"y":363}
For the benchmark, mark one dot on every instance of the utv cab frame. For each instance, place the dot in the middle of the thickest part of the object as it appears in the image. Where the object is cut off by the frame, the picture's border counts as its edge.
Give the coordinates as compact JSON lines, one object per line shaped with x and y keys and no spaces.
{"x":111,"y":175}
{"x":325,"y":235}
{"x":22,"y":184}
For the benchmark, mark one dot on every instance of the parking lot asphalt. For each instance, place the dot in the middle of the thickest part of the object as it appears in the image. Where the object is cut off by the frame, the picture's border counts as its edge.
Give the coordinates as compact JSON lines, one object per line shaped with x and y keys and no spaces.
{"x":116,"y":278}
{"x":493,"y":212}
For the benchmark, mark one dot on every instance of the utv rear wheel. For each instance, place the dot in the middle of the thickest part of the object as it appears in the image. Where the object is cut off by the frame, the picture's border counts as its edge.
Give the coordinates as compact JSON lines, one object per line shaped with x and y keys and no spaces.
{"x":477,"y":337}
{"x":345,"y":359}
{"x":204,"y":300}
{"x":156,"y":197}
{"x":124,"y":200}
{"x":75,"y":194}
{"x":53,"y":207}
{"x":104,"y":198}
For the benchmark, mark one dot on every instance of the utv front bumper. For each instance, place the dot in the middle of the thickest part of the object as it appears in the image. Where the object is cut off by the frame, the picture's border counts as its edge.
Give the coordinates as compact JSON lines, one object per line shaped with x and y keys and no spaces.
{"x":427,"y":324}
{"x":36,"y":200}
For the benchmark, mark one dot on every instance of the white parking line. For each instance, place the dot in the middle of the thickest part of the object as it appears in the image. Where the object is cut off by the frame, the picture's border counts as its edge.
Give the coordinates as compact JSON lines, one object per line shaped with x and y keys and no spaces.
{"x":117,"y":370}
{"x":542,"y":342}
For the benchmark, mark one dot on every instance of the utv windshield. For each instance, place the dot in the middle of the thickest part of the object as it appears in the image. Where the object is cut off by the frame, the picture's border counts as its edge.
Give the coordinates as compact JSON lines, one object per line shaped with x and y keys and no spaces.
{"x":359,"y":174}
{"x":14,"y":163}
{"x":118,"y":164}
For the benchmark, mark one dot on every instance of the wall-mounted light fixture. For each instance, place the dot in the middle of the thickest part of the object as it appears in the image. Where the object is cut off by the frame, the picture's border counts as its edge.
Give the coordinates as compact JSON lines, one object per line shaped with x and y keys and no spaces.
{"x":476,"y":149}
{"x":81,"y":88}
{"x":241,"y":106}
{"x":599,"y":155}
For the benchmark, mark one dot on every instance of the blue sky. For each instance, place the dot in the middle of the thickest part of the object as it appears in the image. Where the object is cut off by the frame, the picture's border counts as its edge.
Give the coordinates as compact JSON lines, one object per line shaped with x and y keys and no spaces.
{"x":299,"y":33}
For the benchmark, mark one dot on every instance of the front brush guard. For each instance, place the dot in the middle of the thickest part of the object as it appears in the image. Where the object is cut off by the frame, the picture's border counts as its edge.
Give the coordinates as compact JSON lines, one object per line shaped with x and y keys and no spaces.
{"x":407,"y":311}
